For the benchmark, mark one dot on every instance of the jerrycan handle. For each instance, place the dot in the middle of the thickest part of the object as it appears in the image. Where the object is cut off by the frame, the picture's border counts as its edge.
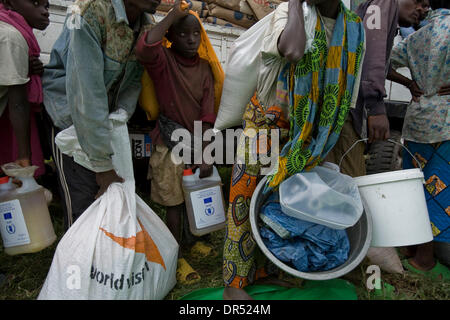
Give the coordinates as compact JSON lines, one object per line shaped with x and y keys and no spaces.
{"x":196,"y":173}
{"x":390,"y":140}
{"x":28,"y":184}
{"x":23,"y":174}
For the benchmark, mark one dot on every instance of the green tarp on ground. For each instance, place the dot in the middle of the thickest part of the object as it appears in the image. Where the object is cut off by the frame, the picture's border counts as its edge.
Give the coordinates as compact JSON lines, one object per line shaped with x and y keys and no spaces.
{"x":335,"y":289}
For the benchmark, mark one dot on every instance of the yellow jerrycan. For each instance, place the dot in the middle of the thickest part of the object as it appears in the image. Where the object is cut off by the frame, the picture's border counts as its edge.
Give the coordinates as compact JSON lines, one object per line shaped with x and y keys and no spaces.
{"x":25,"y":221}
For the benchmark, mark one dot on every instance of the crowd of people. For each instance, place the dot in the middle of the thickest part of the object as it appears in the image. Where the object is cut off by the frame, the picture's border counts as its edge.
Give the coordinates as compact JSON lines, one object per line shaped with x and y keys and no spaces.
{"x":323,"y":99}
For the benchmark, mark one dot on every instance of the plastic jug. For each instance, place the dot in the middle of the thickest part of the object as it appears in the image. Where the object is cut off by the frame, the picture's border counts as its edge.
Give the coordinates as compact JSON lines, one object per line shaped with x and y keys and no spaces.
{"x":25,"y":222}
{"x":204,"y":202}
{"x":323,"y":196}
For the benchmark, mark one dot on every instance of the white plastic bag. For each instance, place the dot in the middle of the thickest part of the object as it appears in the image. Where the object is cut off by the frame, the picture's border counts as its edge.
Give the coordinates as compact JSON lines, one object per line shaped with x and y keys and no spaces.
{"x":111,"y":253}
{"x":67,"y":142}
{"x":118,"y":248}
{"x":322,"y":195}
{"x":243,"y":65}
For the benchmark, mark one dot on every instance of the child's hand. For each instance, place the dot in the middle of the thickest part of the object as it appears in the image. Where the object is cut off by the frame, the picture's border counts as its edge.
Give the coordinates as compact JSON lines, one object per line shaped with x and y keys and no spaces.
{"x":23,"y":162}
{"x":104,"y":179}
{"x":180,"y":9}
{"x":205,"y":169}
{"x":184,"y":5}
{"x":35,"y":66}
{"x":416,"y":92}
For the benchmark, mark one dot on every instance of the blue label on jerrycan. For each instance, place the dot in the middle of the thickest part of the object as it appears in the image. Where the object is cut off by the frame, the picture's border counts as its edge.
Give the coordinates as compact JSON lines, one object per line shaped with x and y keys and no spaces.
{"x":12,"y":224}
{"x":208,"y":207}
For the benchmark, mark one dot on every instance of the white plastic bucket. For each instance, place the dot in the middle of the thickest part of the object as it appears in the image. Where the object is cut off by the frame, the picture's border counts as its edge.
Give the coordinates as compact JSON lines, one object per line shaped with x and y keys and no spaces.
{"x":396,"y":202}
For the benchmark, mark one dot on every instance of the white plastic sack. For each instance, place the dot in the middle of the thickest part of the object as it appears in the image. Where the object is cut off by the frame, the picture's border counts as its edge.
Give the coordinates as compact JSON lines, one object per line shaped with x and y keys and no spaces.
{"x":243,"y":65}
{"x":118,"y":248}
{"x":111,"y":253}
{"x":241,"y":74}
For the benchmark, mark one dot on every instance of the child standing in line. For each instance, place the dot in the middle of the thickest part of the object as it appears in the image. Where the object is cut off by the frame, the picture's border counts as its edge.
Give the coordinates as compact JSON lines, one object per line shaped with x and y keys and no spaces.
{"x":184,"y":87}
{"x":20,"y":80}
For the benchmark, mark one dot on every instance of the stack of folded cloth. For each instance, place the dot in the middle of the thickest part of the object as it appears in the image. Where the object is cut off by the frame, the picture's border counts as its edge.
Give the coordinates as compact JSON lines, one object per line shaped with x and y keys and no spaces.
{"x":306,"y":246}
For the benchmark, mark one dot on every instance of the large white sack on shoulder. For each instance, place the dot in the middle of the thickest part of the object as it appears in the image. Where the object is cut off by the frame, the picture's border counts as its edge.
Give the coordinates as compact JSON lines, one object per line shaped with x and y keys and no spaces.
{"x":386,"y":258}
{"x":243,"y":66}
{"x":310,"y":16}
{"x":110,"y":253}
{"x":241,"y":74}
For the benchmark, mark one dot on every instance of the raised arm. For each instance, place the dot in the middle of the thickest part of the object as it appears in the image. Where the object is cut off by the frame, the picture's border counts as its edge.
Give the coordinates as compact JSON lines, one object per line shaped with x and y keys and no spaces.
{"x":292,"y":41}
{"x":178,"y":11}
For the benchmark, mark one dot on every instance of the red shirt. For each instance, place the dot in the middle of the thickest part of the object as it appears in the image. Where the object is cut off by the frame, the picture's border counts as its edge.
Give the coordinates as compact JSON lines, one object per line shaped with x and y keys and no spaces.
{"x":184,"y":86}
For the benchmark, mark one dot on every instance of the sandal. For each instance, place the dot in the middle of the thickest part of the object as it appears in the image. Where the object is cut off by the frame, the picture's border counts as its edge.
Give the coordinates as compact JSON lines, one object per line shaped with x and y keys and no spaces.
{"x":186,"y":275}
{"x":438,"y":272}
{"x":203,"y":250}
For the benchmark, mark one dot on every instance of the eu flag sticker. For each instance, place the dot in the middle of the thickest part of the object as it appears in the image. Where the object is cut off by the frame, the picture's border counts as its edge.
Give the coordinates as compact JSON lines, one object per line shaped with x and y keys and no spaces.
{"x":207,"y":200}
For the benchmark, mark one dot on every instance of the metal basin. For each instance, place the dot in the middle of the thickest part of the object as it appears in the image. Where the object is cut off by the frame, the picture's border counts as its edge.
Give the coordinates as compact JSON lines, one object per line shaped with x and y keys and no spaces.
{"x":360,"y":237}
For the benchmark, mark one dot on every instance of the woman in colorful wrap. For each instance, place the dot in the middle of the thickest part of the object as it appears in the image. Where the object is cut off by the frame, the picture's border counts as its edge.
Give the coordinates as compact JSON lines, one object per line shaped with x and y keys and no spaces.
{"x":426,"y":128}
{"x":306,"y":91}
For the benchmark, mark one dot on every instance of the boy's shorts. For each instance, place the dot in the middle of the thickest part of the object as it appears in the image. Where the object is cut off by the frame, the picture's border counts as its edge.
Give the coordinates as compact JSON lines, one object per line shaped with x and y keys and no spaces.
{"x":165,"y":178}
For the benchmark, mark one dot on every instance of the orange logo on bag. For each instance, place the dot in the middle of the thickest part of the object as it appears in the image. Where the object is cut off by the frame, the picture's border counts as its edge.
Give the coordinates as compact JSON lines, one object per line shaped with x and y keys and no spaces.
{"x":141,"y":243}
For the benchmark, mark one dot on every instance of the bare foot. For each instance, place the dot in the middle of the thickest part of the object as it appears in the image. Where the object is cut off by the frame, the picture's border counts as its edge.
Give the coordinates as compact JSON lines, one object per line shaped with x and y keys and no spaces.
{"x":230,"y":293}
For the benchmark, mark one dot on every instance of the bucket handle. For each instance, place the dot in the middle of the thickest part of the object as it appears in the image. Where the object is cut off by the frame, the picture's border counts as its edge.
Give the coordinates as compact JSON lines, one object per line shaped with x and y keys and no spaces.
{"x":390,"y":140}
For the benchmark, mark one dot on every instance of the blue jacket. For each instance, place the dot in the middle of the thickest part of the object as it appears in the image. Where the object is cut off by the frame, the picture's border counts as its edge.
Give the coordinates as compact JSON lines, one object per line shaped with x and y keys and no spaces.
{"x":92,"y":72}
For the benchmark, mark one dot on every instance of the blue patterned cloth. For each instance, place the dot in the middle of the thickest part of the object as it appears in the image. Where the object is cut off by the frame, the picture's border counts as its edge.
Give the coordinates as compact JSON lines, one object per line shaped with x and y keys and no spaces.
{"x":320,"y":89}
{"x":435,"y":161}
{"x":308,"y":246}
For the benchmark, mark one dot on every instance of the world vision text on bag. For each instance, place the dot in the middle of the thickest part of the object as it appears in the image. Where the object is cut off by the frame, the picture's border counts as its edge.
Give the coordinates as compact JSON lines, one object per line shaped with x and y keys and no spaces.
{"x":117,"y":283}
